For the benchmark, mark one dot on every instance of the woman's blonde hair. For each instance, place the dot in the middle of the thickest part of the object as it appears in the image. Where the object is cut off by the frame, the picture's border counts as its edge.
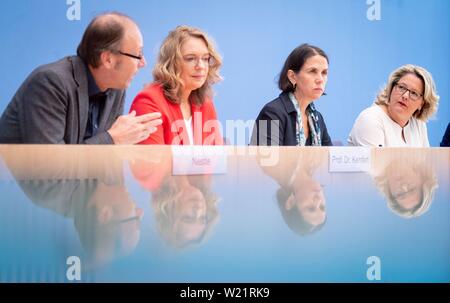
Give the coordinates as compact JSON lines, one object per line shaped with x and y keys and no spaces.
{"x":421,"y":166}
{"x":163,"y":204}
{"x":430,"y":97}
{"x":167,"y":70}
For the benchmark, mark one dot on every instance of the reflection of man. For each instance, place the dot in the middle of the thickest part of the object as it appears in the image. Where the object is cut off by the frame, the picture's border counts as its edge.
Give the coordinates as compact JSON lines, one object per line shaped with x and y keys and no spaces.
{"x":94,"y":196}
{"x":79,"y":99}
{"x":109,"y":223}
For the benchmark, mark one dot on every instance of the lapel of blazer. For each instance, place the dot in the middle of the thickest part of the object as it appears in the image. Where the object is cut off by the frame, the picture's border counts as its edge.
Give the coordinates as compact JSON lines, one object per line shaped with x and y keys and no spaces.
{"x":80,"y":76}
{"x":290,"y":136}
{"x":287,"y":103}
{"x":176,"y":116}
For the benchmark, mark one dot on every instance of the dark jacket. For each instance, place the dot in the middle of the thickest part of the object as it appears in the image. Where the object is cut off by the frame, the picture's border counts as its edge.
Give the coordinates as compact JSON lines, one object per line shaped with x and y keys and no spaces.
{"x":446,"y":138}
{"x":276,"y":124}
{"x":52,"y":105}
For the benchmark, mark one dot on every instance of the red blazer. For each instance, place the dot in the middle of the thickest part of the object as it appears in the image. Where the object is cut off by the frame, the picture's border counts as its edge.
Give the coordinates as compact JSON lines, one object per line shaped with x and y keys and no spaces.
{"x":205,"y":126}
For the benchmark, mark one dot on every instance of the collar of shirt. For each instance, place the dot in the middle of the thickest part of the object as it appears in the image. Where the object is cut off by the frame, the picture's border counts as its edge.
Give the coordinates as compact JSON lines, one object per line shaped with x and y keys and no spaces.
{"x":93,"y":89}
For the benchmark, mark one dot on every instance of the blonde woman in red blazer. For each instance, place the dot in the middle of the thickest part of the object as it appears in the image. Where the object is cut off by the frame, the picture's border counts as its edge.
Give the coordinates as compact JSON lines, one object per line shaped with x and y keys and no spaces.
{"x":187,"y":66}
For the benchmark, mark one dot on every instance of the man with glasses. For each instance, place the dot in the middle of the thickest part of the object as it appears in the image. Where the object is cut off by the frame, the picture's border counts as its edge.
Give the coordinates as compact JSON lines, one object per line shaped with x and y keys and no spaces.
{"x":80,"y":99}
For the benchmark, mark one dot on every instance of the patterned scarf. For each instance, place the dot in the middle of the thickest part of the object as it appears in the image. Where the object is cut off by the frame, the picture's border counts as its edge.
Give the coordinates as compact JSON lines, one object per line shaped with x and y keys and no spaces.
{"x":313,"y":122}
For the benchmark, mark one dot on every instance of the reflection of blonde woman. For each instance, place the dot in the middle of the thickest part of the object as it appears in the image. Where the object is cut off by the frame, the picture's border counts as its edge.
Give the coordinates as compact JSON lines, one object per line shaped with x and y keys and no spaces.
{"x":300,"y":198}
{"x":406,"y":179}
{"x":185,"y":210}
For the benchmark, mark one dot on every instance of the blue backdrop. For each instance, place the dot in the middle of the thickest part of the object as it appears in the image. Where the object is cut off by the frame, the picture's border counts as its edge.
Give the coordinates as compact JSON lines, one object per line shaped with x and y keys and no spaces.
{"x":254,"y":38}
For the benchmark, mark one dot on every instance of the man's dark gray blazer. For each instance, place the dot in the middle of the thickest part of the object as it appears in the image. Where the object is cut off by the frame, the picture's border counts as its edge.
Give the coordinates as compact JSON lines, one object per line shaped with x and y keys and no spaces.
{"x":52,"y":106}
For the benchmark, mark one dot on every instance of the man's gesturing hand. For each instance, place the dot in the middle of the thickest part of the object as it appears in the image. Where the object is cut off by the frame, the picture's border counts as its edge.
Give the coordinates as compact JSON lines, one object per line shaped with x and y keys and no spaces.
{"x":131,"y":129}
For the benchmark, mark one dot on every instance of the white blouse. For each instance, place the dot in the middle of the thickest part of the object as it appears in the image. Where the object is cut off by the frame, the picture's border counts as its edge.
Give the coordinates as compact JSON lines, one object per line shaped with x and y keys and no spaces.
{"x":189,"y":131}
{"x":374,"y":128}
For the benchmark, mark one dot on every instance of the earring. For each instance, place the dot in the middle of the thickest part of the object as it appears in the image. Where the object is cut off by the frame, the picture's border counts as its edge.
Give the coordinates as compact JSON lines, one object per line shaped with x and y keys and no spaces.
{"x":294,"y":86}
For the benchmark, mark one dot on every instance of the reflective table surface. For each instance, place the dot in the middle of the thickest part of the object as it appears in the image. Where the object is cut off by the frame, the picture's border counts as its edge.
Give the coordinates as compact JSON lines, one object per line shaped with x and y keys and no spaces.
{"x":236,"y":214}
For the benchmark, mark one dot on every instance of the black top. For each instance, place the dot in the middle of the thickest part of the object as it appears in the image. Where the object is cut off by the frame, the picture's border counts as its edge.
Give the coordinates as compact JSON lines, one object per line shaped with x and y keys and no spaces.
{"x":446,"y":138}
{"x":281,"y":112}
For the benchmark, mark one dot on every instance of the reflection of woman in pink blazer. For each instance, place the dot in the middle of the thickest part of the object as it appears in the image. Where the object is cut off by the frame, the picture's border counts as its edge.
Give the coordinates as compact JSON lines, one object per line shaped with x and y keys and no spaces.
{"x":187,"y":66}
{"x":185,"y":207}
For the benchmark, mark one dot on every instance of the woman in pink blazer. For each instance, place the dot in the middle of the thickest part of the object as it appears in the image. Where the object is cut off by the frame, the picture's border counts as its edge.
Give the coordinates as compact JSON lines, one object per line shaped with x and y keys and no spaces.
{"x":187,"y":66}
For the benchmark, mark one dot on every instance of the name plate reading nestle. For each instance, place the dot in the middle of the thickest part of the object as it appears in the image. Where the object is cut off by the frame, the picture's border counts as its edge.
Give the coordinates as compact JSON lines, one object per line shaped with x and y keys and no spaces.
{"x":198,"y":160}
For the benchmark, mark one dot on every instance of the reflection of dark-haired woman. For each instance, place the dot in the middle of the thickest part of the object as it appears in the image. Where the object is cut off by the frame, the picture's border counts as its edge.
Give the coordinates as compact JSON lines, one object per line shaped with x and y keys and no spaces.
{"x":300,"y":198}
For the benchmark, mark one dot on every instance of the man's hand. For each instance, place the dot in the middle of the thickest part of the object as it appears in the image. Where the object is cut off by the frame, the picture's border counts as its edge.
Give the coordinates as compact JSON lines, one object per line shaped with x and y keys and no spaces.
{"x":129,"y":129}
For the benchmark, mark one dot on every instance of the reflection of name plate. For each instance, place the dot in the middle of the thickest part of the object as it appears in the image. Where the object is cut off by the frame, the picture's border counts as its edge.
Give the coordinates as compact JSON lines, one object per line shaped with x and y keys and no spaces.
{"x":198,"y":160}
{"x":349,"y":159}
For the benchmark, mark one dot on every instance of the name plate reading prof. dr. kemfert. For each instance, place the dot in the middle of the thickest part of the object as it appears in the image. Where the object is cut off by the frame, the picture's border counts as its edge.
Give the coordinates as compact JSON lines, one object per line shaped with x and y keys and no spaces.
{"x":349,"y":159}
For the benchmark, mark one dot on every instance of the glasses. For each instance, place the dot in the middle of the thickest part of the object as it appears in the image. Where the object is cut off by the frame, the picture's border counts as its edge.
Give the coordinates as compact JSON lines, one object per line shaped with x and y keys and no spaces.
{"x":405,"y":191}
{"x":139,"y":57}
{"x":194,"y":61}
{"x":129,"y":219}
{"x":412,"y":94}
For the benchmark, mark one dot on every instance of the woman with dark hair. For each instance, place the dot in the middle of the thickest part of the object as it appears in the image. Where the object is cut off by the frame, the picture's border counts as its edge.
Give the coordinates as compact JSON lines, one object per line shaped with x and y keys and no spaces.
{"x":291,"y":119}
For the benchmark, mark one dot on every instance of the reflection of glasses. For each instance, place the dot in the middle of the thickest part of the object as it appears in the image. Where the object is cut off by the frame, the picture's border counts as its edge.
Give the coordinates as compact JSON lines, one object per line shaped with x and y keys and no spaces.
{"x":406,"y":190}
{"x":138,"y":57}
{"x":134,"y":218}
{"x":192,"y":219}
{"x":403,"y":89}
{"x":194,"y":61}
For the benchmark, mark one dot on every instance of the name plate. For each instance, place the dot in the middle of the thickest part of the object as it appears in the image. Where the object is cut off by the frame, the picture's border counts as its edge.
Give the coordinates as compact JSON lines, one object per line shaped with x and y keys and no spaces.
{"x":198,"y":160}
{"x":349,"y":159}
